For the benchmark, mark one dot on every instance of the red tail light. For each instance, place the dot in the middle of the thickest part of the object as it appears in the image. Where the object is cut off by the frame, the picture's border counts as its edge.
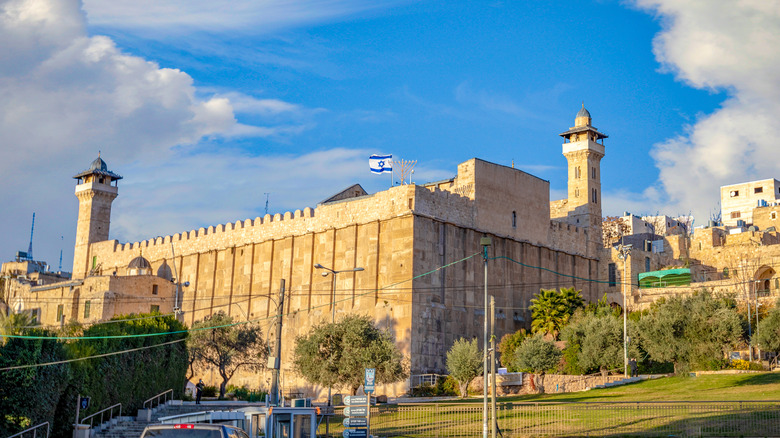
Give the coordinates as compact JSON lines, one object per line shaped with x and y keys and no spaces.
{"x":184,"y":426}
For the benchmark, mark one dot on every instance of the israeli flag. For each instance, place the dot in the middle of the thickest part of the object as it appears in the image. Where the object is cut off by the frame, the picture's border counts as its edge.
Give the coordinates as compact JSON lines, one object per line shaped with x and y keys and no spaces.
{"x":380,"y":163}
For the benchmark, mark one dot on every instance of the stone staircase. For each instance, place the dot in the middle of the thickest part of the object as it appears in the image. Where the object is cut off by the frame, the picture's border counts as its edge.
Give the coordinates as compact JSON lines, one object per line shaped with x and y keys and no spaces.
{"x":130,"y":427}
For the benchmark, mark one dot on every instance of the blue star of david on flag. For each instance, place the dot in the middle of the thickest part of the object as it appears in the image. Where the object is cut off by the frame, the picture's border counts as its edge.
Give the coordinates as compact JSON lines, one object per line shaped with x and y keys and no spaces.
{"x":380,"y":163}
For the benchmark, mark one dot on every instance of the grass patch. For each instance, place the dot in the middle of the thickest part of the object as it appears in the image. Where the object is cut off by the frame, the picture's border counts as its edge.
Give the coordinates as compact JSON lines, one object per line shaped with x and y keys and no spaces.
{"x":720,"y":387}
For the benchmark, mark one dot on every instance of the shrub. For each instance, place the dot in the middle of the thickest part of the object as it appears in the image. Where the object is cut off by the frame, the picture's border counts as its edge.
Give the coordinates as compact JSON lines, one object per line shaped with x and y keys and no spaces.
{"x":739,"y":364}
{"x":209,"y":391}
{"x":243,"y":393}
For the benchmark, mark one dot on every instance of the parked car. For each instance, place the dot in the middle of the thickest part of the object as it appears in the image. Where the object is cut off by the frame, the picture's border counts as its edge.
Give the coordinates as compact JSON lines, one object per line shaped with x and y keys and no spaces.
{"x":195,"y":430}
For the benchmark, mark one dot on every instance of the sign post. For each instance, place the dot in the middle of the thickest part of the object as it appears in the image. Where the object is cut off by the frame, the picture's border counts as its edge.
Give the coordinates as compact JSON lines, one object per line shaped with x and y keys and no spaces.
{"x":368,"y":388}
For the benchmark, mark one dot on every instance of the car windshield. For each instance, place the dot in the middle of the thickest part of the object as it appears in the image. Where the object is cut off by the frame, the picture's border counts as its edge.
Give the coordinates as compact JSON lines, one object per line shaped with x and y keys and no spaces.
{"x":183,"y":433}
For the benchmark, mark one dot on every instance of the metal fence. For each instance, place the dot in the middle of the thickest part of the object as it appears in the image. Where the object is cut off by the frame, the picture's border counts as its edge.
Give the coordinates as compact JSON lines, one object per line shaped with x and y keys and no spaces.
{"x":562,"y":419}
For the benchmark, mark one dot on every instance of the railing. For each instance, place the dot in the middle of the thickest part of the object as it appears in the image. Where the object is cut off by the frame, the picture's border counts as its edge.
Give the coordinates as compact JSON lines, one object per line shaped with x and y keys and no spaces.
{"x":110,"y":411}
{"x":424,"y":379}
{"x":34,"y":430}
{"x":562,"y":419}
{"x":157,"y":398}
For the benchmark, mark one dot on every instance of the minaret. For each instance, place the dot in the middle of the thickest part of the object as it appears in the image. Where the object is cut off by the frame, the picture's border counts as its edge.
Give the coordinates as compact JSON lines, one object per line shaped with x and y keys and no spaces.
{"x":96,"y":189}
{"x":583,"y":147}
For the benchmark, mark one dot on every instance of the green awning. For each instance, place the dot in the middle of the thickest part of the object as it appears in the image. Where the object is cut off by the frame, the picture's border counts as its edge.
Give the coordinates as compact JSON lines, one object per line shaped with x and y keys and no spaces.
{"x":664,"y":278}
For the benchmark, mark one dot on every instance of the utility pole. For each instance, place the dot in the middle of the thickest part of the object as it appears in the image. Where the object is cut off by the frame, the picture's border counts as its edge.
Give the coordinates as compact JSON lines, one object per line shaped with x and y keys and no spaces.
{"x":485,"y":242}
{"x":493,"y":364}
{"x":275,"y":360}
{"x":624,"y":253}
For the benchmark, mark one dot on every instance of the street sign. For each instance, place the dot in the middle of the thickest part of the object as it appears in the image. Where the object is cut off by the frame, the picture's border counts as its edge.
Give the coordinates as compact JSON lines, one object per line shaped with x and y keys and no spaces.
{"x":356,"y":422}
{"x":368,"y":384}
{"x":354,"y":400}
{"x":356,"y":411}
{"x":355,"y":433}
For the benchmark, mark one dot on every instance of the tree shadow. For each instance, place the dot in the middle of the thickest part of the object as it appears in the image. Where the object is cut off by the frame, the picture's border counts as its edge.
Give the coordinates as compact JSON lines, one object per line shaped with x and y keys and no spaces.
{"x":760,"y":379}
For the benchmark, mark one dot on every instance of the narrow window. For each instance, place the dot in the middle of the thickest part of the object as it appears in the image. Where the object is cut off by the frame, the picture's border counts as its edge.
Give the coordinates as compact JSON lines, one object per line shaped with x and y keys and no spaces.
{"x":59,"y":312}
{"x":411,"y":203}
{"x":595,"y":196}
{"x":154,"y":290}
{"x":577,"y":172}
{"x":36,"y":312}
{"x":593,"y":172}
{"x":514,"y":219}
{"x":758,"y":190}
{"x":647,"y":264}
{"x":155,"y":309}
{"x":94,"y":262}
{"x":86,"y":309}
{"x":773,"y":215}
{"x":612,"y":275}
{"x":726,"y":272}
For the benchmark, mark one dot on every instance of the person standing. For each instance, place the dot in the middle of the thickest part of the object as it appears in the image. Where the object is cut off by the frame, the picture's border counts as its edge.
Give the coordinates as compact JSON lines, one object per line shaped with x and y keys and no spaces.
{"x":632,"y":364}
{"x":198,"y":391}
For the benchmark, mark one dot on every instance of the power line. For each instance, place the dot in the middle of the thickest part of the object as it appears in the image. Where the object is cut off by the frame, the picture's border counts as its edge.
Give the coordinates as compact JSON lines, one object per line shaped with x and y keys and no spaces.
{"x":19,"y":367}
{"x":232,"y":324}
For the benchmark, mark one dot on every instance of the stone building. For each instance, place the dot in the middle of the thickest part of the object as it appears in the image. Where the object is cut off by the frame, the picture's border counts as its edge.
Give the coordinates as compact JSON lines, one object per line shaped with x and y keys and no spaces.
{"x":737,"y":201}
{"x":418,"y":245}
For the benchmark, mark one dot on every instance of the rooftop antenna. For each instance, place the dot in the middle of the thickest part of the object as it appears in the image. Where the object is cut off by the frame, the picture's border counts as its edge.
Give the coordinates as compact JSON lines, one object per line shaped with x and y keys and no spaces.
{"x":32,"y":228}
{"x":266,"y":203}
{"x":62,"y":242}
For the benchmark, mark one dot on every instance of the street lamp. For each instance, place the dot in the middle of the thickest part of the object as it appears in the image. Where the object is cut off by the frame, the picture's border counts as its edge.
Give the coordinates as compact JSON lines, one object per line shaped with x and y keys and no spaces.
{"x":485,"y":242}
{"x":624,"y":252}
{"x":325,"y":273}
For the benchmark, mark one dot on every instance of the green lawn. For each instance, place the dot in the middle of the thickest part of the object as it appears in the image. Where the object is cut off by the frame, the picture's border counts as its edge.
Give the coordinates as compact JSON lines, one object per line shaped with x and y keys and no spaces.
{"x":725,"y":387}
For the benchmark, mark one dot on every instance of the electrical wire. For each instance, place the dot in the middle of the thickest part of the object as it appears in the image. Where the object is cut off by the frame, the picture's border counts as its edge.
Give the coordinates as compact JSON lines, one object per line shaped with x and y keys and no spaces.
{"x":19,"y":367}
{"x":231,"y":324}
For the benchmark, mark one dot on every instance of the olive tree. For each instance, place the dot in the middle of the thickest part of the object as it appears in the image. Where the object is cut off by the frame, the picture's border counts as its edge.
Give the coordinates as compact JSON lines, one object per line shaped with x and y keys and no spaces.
{"x":464,"y":362}
{"x":768,"y":333}
{"x":218,"y":342}
{"x":337,"y":354}
{"x":690,"y":331}
{"x":538,"y":356}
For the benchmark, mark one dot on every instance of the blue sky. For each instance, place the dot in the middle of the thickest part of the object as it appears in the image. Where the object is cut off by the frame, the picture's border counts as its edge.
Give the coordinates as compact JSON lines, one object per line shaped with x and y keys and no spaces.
{"x":205,"y":106}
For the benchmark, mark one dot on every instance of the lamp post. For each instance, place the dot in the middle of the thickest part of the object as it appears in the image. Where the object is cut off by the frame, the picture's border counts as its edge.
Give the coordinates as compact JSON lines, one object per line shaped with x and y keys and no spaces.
{"x":333,"y":273}
{"x":624,"y":252}
{"x":485,"y":242}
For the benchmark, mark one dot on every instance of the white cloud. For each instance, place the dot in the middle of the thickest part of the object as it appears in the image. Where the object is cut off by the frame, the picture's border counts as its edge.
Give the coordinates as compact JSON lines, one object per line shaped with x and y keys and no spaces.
{"x":65,"y":95}
{"x":257,"y":16}
{"x":720,"y":45}
{"x":489,"y":101}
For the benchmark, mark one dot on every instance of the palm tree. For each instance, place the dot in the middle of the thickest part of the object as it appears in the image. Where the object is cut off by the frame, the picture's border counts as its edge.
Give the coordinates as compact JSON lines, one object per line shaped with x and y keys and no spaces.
{"x":551,"y":309}
{"x":573,"y":298}
{"x":14,"y":323}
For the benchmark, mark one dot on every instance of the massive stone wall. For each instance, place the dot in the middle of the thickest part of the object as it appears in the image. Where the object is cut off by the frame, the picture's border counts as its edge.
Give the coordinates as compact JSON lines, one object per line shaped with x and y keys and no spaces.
{"x":400,"y":237}
{"x":449,"y":303}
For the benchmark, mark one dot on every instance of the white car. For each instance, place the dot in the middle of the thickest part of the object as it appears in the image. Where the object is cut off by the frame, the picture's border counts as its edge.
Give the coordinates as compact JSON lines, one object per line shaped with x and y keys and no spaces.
{"x":194,"y":430}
